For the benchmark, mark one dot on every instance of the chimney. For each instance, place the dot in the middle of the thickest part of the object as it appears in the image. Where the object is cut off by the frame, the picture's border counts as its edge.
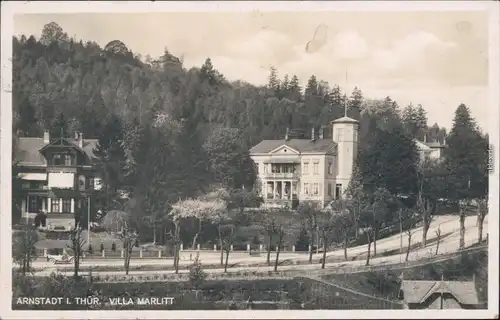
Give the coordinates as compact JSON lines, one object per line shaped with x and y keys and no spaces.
{"x":313,"y":135}
{"x":80,"y":139}
{"x":46,"y":137}
{"x":287,"y":134}
{"x":321,"y":132}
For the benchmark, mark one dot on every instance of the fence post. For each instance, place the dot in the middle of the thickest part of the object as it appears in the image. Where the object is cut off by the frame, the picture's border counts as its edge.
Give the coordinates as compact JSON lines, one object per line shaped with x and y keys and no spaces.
{"x":159,"y":253}
{"x":260,"y":247}
{"x":215,"y":248}
{"x":140,"y":253}
{"x":45,"y":252}
{"x":104,"y":253}
{"x":182,"y":247}
{"x":293,"y":248}
{"x":122,"y":253}
{"x":231,"y":248}
{"x":198,"y":247}
{"x":248,"y":247}
{"x":309,"y":249}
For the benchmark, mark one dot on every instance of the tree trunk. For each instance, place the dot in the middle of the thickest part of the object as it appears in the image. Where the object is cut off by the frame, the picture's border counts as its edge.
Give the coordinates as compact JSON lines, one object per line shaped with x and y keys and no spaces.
{"x":221,"y":248}
{"x":323,"y":262}
{"x":196,"y":235}
{"x":227,"y":259}
{"x":375,"y":235}
{"x":369,"y":248}
{"x":425,"y":229}
{"x":480,"y":221}
{"x":278,"y":249}
{"x":311,"y":244}
{"x":177,"y":257}
{"x":269,"y":249}
{"x":409,"y":247}
{"x":345,"y":246}
{"x":462,"y":231}
{"x":154,"y":235}
{"x":437,"y":243}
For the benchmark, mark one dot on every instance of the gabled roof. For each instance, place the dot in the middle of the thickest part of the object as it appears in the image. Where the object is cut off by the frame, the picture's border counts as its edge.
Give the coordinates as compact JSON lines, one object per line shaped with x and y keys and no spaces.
{"x":301,"y":145}
{"x":28,"y":150}
{"x":418,"y":291}
{"x":345,"y":120}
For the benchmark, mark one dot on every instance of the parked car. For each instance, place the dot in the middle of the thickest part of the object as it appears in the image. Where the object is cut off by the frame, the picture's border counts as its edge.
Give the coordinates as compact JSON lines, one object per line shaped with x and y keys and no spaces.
{"x":60,"y":258}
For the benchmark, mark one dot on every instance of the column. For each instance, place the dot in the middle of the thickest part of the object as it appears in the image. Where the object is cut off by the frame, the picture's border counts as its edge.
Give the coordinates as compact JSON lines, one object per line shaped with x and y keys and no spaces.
{"x":282,"y":189}
{"x":60,"y":205}
{"x":291,"y":190}
{"x":49,"y":204}
{"x":275,"y":189}
{"x":72,"y":205}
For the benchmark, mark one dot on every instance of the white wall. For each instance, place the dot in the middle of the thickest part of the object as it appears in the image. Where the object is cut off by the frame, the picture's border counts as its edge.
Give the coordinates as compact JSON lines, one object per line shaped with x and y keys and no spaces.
{"x":61,"y":180}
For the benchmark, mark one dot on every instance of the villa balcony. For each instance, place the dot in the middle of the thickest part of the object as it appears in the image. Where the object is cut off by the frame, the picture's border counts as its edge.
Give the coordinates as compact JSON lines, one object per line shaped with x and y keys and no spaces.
{"x":282,"y":175}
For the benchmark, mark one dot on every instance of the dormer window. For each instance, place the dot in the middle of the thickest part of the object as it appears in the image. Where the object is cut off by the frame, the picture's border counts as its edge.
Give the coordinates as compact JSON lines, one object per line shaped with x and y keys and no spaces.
{"x":68,"y":160}
{"x":57,"y":160}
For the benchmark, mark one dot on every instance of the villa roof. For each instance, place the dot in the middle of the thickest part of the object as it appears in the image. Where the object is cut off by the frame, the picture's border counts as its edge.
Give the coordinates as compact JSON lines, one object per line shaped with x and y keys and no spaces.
{"x":28,"y":148}
{"x":418,"y":291}
{"x":301,"y":145}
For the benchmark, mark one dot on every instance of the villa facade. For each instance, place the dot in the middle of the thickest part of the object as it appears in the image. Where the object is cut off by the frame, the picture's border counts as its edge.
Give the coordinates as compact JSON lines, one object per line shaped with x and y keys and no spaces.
{"x":315,"y":169}
{"x":58,"y":176}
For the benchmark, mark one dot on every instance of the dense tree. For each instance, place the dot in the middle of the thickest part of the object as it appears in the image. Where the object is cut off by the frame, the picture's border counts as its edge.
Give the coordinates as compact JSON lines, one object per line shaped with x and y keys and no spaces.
{"x":464,"y":160}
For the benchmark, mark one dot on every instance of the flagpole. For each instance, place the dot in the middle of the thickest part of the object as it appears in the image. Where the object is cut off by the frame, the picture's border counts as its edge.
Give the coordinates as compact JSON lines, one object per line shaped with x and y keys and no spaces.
{"x":88,"y":220}
{"x":345,"y":95}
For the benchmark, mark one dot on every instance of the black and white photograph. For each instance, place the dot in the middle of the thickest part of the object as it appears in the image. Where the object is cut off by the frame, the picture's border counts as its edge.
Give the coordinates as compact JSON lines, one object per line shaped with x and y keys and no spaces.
{"x":252,"y":159}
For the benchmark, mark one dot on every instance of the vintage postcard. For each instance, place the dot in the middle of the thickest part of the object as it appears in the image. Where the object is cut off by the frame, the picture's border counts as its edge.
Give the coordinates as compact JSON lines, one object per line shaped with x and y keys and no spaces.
{"x":249,"y":159}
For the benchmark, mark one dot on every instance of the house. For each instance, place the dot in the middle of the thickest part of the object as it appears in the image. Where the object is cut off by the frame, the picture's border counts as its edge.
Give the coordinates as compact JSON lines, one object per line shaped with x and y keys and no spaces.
{"x":431,"y":150}
{"x":315,"y":169}
{"x":425,"y":294}
{"x":57,"y":176}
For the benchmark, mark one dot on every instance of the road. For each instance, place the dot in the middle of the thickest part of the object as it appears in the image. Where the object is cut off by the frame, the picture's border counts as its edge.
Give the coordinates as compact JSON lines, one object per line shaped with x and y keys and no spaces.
{"x":447,"y":224}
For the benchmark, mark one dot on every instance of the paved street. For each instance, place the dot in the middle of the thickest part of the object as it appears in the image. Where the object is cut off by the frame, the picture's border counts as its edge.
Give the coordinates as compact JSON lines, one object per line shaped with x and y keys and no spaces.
{"x":448,"y":224}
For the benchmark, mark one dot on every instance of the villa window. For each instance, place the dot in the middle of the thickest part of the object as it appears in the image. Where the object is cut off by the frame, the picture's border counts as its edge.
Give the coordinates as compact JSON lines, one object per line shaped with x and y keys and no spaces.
{"x":306,"y":167}
{"x":68,"y":160}
{"x":340,"y":134}
{"x":66,"y":205}
{"x":338,"y":191}
{"x":316,"y":168}
{"x":265,"y":167}
{"x":330,"y":167}
{"x":316,"y":188}
{"x":306,"y":188}
{"x":55,"y":205}
{"x":57,"y":160}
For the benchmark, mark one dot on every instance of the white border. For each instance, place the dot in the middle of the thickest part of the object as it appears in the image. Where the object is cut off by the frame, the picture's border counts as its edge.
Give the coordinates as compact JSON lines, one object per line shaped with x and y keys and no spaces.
{"x":8,"y":9}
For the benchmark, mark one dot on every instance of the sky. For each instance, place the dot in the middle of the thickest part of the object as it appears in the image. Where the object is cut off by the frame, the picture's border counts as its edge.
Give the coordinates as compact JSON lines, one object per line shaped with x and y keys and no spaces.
{"x":438,"y":59}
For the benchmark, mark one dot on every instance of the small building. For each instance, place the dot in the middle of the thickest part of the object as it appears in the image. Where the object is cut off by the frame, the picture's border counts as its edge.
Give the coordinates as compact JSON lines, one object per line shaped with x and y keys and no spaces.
{"x":425,"y":294}
{"x":58,"y":176}
{"x":430,"y":150}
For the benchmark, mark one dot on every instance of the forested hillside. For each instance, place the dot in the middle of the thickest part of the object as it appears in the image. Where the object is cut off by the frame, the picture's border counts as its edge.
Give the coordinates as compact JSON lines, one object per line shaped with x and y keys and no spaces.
{"x":168,"y":132}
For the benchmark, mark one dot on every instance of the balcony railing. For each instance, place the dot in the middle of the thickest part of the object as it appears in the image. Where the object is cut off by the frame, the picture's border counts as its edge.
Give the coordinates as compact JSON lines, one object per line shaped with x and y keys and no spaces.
{"x":282,"y":175}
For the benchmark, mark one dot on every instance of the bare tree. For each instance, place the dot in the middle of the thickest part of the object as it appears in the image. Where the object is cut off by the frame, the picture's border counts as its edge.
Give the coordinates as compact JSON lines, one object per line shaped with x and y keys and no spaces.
{"x":120,"y":220}
{"x":309,"y":212}
{"x":76,"y":246}
{"x":409,"y":233}
{"x":438,"y":238}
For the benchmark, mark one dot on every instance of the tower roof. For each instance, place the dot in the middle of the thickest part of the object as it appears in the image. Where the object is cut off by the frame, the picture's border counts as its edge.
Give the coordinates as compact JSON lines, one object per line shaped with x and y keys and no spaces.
{"x":345,"y":120}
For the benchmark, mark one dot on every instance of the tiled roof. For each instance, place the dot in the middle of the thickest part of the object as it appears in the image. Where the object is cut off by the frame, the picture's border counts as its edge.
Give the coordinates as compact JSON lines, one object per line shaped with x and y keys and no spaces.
{"x":28,"y":154}
{"x":417,"y":291}
{"x":301,"y":145}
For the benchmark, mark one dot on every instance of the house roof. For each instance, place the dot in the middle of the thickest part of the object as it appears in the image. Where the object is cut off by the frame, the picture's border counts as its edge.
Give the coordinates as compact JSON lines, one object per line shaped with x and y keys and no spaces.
{"x":418,"y":291}
{"x":345,"y":120}
{"x":28,"y":154}
{"x":301,"y":145}
{"x":433,"y":144}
